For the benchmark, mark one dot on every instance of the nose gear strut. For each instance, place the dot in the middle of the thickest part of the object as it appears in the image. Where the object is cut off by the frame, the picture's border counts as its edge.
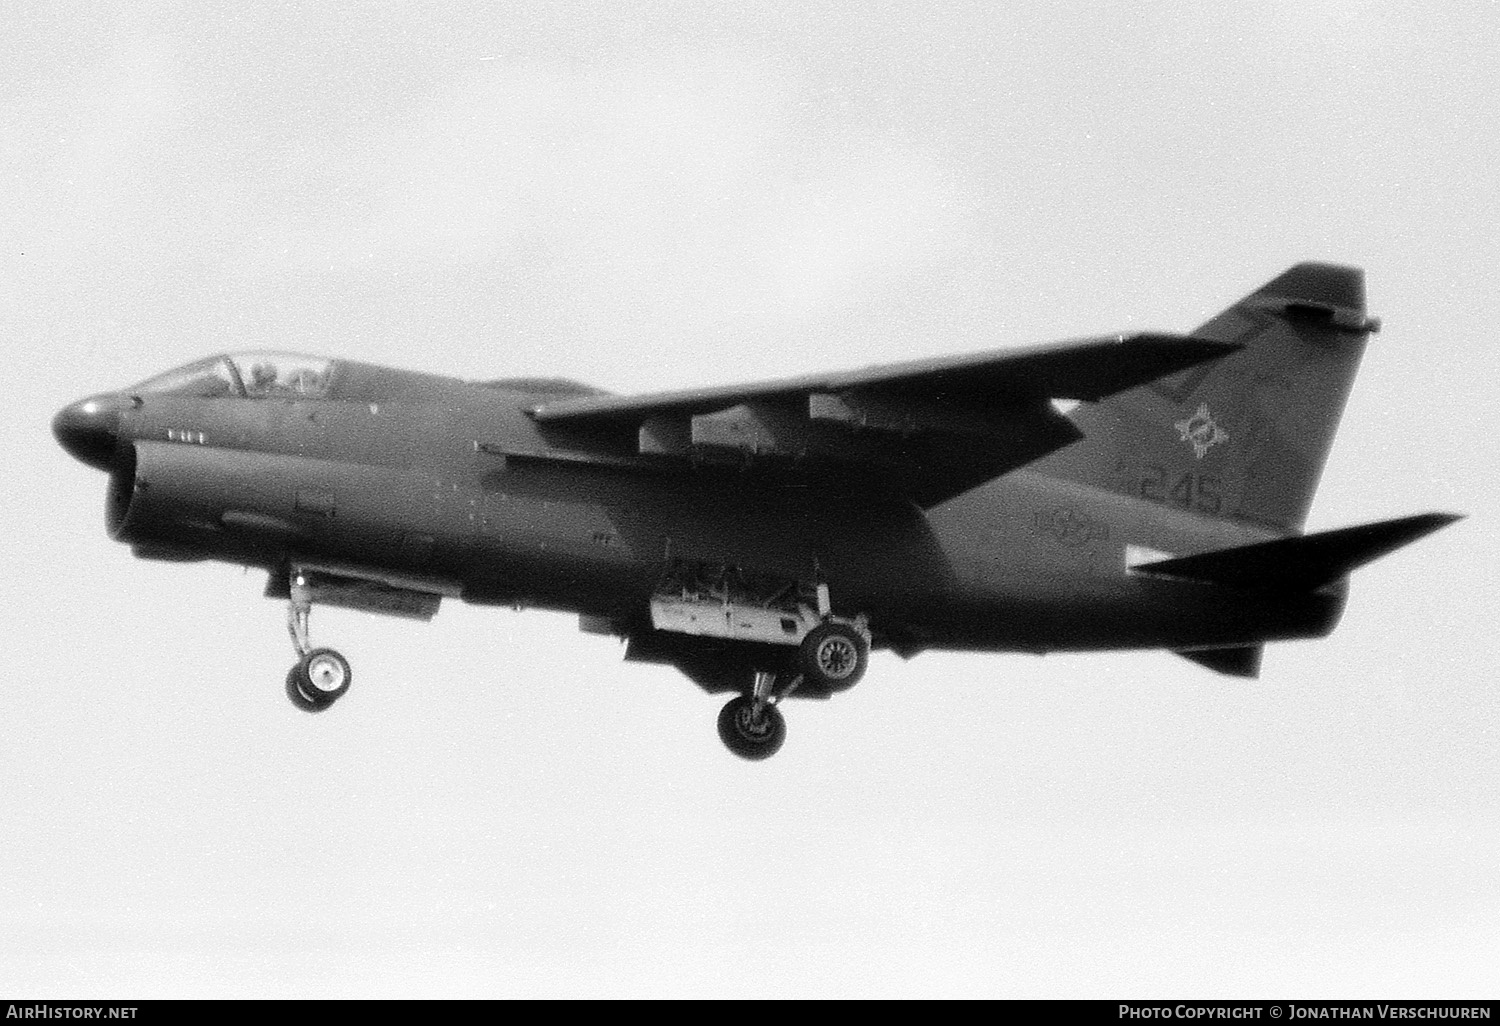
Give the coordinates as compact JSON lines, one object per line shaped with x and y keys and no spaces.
{"x":321,"y":675}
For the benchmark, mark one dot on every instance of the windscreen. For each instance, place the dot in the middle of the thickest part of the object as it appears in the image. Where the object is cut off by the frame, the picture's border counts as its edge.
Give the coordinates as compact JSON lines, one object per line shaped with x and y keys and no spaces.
{"x":207,"y":378}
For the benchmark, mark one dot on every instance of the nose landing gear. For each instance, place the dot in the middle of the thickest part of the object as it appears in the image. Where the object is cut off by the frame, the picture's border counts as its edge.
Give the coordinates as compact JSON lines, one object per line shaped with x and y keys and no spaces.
{"x":321,"y":675}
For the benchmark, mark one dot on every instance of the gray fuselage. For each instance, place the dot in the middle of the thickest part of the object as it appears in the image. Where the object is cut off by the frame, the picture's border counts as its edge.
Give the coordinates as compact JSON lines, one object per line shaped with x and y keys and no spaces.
{"x":453,"y":481}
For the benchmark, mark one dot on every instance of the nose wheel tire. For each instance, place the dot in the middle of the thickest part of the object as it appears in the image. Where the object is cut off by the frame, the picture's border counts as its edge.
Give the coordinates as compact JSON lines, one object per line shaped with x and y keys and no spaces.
{"x":749,"y":733}
{"x":834,"y":655}
{"x":319,"y":678}
{"x":296,"y":697}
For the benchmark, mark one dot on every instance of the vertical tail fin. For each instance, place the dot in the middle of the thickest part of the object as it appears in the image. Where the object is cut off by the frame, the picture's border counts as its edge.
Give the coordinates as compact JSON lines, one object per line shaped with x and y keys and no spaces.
{"x":1244,"y":437}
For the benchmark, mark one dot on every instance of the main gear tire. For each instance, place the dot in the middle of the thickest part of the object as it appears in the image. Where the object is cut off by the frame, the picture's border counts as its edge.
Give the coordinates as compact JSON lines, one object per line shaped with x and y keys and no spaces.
{"x":834,"y":656}
{"x":751,"y":734}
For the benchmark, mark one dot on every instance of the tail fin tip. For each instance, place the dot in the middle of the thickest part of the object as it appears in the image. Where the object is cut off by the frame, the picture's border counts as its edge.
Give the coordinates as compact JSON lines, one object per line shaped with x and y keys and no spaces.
{"x":1334,"y":285}
{"x":1333,"y":293}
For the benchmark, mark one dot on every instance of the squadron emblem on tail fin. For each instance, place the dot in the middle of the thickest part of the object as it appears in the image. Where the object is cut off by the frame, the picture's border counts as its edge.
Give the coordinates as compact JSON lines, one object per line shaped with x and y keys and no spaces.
{"x":1202,"y":431}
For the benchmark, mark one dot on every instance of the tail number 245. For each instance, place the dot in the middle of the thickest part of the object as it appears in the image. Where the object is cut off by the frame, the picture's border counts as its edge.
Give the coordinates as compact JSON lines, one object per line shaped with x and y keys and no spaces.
{"x":1201,"y":492}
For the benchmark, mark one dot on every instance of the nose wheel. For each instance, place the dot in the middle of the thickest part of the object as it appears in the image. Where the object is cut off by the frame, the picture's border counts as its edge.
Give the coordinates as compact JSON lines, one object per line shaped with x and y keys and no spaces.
{"x":321,"y":675}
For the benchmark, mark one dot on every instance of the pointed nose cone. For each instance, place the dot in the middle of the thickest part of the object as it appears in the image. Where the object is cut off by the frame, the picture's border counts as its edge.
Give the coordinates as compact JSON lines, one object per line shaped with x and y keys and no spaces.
{"x":90,"y":429}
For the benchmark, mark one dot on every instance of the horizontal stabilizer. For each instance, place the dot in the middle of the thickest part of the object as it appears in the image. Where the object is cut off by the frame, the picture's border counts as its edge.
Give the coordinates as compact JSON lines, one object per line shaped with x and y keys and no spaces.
{"x":1243,"y":661}
{"x":1304,"y":562}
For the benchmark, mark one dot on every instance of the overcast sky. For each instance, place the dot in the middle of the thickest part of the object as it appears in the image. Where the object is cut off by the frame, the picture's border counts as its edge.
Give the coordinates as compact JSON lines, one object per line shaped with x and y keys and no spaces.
{"x":665,"y":195}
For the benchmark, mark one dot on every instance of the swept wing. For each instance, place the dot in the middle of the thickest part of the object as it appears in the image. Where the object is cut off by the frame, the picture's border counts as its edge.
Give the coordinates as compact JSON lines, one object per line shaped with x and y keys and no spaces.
{"x":933,"y":427}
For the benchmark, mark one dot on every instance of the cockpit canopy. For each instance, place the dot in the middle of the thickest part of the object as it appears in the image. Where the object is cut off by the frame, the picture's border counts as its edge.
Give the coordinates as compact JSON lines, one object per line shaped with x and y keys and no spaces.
{"x":253,"y":375}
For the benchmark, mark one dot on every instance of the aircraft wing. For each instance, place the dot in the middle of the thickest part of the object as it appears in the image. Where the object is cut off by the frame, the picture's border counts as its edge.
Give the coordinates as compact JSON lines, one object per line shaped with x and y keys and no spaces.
{"x":1088,"y":369}
{"x":933,"y":428}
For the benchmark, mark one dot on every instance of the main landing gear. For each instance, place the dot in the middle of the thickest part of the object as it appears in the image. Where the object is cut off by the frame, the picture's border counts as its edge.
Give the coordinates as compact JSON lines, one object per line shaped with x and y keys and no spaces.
{"x":832,"y":657}
{"x":751,"y":726}
{"x":834,"y":654}
{"x":320,"y":676}
{"x":797,"y":639}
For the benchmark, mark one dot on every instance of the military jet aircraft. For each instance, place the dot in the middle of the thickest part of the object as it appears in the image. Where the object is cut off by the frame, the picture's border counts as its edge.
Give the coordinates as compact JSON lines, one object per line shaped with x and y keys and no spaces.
{"x":764,"y":538}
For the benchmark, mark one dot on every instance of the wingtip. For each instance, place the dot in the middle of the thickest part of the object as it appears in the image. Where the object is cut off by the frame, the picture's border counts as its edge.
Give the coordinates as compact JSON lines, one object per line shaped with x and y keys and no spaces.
{"x":1202,"y":350}
{"x":1213,"y":345}
{"x":1196,"y":344}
